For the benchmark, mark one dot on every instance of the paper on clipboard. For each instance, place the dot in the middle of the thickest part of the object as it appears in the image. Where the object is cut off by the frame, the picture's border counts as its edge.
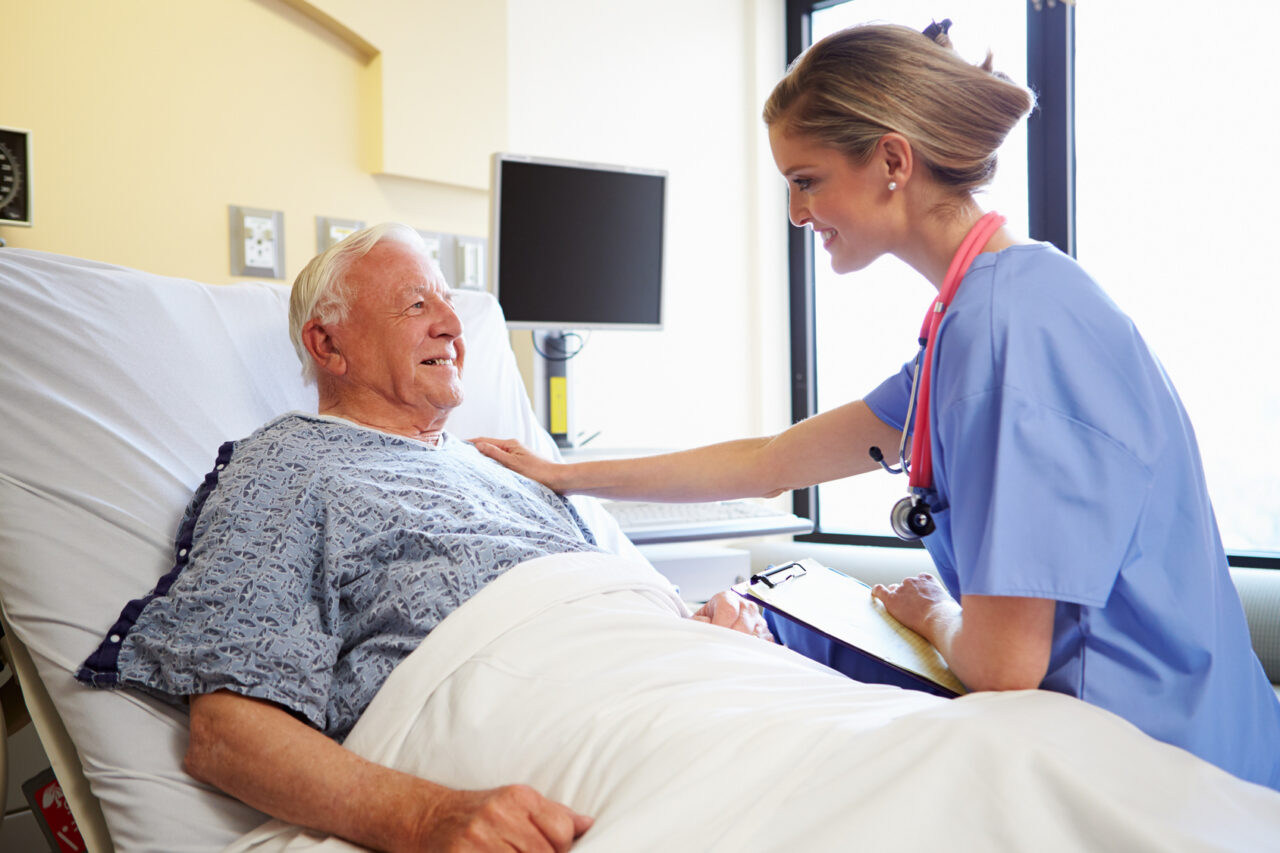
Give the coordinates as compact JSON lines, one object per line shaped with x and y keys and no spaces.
{"x":843,"y":608}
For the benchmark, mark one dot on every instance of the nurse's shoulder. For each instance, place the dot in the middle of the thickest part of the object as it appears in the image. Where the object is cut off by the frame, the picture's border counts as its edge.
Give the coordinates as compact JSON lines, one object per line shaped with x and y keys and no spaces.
{"x":1037,"y":282}
{"x":1065,"y":343}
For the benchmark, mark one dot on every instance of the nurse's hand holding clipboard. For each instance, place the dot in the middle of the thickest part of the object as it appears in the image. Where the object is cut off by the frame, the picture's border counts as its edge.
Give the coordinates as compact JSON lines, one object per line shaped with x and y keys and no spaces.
{"x":991,"y":643}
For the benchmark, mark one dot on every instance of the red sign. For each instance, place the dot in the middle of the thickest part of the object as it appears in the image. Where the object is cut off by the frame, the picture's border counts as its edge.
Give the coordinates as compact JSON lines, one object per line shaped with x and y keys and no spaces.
{"x":46,"y":798}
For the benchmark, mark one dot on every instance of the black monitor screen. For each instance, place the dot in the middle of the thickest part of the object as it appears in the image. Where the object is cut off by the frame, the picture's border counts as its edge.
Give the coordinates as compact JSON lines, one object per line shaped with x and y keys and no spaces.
{"x":577,"y":245}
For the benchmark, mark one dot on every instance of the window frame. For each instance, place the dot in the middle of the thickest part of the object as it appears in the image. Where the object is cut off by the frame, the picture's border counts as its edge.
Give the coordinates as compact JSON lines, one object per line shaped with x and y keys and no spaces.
{"x":1051,"y":213}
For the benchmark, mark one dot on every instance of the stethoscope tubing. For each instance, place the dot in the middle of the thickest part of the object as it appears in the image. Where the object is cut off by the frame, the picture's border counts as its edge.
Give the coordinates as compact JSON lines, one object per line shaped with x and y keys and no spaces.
{"x":920,"y":472}
{"x":911,"y":517}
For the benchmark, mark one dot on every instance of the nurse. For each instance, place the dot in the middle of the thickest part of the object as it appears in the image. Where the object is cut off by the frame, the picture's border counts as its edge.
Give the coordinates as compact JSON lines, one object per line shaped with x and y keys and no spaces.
{"x":1073,"y":538}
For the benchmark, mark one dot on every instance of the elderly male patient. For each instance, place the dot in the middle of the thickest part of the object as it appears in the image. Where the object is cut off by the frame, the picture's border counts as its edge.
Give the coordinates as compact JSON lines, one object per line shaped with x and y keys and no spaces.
{"x":324,"y":548}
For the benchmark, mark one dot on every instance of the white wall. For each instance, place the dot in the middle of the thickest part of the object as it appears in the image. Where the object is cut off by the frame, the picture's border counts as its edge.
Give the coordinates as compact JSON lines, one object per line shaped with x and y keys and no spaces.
{"x":677,"y":86}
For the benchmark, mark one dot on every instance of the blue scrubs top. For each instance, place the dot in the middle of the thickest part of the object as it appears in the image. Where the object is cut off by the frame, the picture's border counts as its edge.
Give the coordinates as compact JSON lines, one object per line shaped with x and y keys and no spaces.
{"x":1065,"y":468}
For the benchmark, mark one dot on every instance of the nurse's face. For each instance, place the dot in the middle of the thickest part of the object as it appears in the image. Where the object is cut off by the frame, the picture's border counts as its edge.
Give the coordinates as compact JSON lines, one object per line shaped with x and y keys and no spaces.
{"x":842,"y":201}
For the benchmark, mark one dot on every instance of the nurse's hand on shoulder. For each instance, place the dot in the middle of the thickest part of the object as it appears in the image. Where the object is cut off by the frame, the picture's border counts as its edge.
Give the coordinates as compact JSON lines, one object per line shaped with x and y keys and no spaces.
{"x":520,"y":459}
{"x":917,"y":601}
{"x":732,"y":611}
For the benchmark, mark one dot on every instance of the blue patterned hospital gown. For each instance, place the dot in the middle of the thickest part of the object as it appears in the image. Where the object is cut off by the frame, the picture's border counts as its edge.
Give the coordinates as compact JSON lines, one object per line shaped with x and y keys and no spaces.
{"x":317,"y":555}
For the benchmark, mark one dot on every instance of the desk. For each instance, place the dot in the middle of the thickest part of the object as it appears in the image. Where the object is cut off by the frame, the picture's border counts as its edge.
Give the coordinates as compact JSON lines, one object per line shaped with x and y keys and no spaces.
{"x":654,"y":523}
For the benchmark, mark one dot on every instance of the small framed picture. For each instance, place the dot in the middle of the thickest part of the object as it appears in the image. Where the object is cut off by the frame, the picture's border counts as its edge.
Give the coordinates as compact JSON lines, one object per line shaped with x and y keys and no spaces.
{"x":15,"y":176}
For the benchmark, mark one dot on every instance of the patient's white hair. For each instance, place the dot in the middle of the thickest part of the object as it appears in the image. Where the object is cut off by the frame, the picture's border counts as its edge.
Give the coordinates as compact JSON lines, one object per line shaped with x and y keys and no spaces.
{"x":320,"y":291}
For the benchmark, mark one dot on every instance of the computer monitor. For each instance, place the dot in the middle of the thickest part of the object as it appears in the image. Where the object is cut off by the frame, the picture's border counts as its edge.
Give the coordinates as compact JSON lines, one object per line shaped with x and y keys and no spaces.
{"x":577,"y":245}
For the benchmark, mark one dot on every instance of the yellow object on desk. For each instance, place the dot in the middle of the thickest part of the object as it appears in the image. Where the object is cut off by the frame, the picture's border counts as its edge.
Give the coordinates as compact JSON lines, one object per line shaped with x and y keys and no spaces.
{"x":842,"y":608}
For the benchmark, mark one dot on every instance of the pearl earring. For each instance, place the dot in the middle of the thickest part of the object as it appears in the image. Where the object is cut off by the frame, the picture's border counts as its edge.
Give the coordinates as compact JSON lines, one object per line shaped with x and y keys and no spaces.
{"x":893,"y":185}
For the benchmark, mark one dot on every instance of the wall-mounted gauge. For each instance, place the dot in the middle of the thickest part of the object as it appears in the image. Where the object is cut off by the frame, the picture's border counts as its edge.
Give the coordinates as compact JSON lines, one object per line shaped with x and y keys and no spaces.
{"x":15,"y":176}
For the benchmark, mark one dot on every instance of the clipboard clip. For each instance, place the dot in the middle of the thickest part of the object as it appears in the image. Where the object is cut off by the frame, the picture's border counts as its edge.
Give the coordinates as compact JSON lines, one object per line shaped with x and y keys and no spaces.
{"x":780,"y":574}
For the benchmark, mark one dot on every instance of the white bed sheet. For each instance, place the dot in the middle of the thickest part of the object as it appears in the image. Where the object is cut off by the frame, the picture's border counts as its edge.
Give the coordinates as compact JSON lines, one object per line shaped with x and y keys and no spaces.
{"x":675,"y":735}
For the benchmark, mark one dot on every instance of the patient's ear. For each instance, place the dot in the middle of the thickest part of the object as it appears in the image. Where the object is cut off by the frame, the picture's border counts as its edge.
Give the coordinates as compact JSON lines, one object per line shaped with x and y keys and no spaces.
{"x":323,"y":348}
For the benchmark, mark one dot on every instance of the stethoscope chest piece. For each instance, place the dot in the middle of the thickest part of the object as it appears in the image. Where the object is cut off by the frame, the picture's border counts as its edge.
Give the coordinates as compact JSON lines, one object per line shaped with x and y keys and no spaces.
{"x":911,"y":519}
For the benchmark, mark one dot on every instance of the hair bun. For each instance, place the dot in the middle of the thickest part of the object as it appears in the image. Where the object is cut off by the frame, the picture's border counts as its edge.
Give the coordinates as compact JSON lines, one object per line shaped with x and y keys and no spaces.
{"x":852,"y":87}
{"x":937,"y":32}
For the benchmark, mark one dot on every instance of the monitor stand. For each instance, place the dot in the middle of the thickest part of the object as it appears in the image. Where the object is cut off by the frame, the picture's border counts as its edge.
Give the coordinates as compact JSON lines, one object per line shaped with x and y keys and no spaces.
{"x":556,"y":359}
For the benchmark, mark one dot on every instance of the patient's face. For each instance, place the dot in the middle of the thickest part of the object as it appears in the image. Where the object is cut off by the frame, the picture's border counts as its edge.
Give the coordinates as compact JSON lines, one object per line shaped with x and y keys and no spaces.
{"x":401,"y":340}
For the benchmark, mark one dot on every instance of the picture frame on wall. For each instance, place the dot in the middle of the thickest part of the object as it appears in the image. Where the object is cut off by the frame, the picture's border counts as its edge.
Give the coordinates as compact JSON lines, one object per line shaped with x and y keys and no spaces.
{"x":15,"y":176}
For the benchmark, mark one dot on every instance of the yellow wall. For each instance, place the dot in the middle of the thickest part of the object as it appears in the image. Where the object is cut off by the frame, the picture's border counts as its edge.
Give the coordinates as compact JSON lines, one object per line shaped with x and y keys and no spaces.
{"x":149,"y":117}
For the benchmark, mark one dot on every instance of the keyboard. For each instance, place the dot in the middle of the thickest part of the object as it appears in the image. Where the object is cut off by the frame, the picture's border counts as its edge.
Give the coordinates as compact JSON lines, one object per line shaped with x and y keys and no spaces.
{"x":650,"y":523}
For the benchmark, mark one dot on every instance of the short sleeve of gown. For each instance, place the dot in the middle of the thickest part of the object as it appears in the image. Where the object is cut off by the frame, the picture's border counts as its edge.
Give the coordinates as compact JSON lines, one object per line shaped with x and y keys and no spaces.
{"x":1041,"y":505}
{"x":245,"y":609}
{"x":888,"y":401}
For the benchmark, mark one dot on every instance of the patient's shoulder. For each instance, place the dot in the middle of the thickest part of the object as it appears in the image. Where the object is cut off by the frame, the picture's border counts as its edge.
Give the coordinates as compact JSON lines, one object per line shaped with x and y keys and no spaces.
{"x":277,"y":463}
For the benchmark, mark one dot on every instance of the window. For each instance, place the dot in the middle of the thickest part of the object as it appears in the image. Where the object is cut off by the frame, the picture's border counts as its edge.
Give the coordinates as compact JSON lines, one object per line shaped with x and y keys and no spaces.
{"x":1172,"y":230}
{"x":1181,"y":233}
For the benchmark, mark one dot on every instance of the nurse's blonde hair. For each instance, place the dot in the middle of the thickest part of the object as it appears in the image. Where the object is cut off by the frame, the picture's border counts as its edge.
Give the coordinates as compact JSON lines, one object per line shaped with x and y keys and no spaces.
{"x":320,"y":291}
{"x":854,"y":86}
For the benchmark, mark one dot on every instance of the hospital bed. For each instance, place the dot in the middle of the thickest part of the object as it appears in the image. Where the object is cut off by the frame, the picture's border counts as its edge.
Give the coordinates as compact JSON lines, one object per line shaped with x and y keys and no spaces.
{"x":118,"y":386}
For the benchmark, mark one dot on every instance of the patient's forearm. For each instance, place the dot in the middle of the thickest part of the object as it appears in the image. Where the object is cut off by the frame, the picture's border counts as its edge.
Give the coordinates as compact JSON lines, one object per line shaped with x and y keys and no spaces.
{"x":262,"y":755}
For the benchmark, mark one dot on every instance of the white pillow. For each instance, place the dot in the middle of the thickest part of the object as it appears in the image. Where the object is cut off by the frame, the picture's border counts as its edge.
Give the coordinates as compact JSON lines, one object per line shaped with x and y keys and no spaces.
{"x":117,"y":388}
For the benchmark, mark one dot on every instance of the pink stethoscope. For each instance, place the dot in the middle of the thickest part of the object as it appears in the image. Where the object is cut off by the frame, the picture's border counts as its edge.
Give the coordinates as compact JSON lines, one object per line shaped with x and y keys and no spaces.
{"x":911,"y":518}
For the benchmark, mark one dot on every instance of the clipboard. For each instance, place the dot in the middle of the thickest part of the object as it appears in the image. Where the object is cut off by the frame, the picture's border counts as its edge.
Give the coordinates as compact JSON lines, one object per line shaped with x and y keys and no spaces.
{"x":842,"y":608}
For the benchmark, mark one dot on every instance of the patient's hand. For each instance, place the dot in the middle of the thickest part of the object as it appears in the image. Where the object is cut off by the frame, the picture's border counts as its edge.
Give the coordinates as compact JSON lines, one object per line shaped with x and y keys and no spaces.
{"x":520,"y":459}
{"x":734,"y":612}
{"x":515,"y":817}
